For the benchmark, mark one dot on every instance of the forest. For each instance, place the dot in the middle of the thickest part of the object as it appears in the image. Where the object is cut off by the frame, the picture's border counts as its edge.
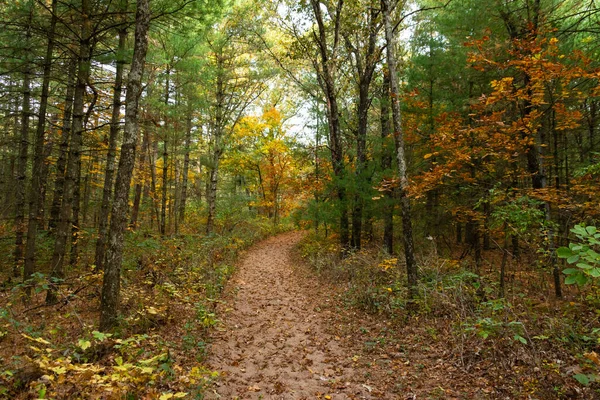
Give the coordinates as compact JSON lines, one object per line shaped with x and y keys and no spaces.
{"x":325,"y":199}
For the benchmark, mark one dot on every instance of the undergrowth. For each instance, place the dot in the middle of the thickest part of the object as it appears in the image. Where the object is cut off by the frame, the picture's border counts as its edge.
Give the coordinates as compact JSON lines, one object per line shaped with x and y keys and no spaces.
{"x":528,"y":342}
{"x":170,"y":288}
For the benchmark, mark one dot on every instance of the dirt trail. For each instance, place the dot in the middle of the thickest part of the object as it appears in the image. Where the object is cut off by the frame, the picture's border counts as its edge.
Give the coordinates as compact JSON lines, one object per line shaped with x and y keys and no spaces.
{"x":274,"y":343}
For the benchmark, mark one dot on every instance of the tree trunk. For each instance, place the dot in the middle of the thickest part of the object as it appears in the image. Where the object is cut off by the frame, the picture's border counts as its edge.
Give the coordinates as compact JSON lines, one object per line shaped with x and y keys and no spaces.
{"x":112,"y":271}
{"x":165,"y":184}
{"x":211,"y":193}
{"x":76,"y":208}
{"x":327,"y":79}
{"x":37,"y":181}
{"x":23,"y":152}
{"x":61,"y":163}
{"x":138,"y":185}
{"x":411,"y":267}
{"x":186,"y":167}
{"x":386,"y":165}
{"x":112,"y":153}
{"x":74,"y":157}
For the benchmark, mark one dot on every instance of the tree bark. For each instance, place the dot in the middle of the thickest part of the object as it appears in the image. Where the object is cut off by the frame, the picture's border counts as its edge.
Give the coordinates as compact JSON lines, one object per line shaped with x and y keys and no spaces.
{"x":138,"y":185}
{"x":211,"y":193}
{"x":327,"y":78}
{"x":37,"y":182}
{"x":411,"y":267}
{"x":23,"y":154}
{"x":112,"y":272}
{"x":164,"y":191}
{"x":61,"y":163}
{"x":112,"y":153}
{"x":186,"y":167}
{"x":74,"y":157}
{"x":386,"y":165}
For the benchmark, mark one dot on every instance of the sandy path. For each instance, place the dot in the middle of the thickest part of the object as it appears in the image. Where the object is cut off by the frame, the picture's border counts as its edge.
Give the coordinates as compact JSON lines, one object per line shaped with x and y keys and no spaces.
{"x":274,"y":344}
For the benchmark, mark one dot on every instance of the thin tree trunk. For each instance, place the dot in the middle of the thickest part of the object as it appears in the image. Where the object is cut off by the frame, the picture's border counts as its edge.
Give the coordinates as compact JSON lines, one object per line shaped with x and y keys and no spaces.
{"x":74,"y":157}
{"x":411,"y":267}
{"x":37,"y":181}
{"x":504,"y":260}
{"x":23,"y":155}
{"x":112,"y":271}
{"x":386,"y":164}
{"x":76,"y":208}
{"x":61,"y":163}
{"x":165,"y":184}
{"x":112,"y":153}
{"x":44,"y":186}
{"x":152,"y":155}
{"x":186,"y":168}
{"x":138,"y":185}
{"x":211,"y":193}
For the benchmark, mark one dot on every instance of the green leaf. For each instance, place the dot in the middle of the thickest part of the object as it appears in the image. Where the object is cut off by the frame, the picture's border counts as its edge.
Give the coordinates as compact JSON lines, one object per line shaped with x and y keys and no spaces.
{"x":583,"y":265}
{"x":591,"y":230}
{"x":571,"y":279}
{"x":579,"y":230}
{"x":564,"y":252}
{"x":101,"y":336}
{"x":594,"y":272}
{"x":520,"y":339}
{"x":570,"y":271}
{"x":84,"y":344}
{"x":573,"y":259}
{"x":581,"y":279}
{"x":582,"y":378}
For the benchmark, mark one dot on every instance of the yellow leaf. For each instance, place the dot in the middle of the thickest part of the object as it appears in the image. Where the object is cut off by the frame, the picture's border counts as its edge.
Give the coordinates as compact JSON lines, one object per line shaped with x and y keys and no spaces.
{"x":180,"y":395}
{"x":39,"y":340}
{"x":166,"y":396}
{"x":426,"y":156}
{"x":84,"y":344}
{"x":328,"y":397}
{"x":58,"y":370}
{"x":152,"y":310}
{"x":147,"y":370}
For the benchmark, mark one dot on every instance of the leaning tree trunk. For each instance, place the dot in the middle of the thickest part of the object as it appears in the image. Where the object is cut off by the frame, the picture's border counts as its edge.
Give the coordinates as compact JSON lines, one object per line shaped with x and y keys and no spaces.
{"x":411,"y":267}
{"x":111,"y":284}
{"x":37,"y":183}
{"x":112,"y":153}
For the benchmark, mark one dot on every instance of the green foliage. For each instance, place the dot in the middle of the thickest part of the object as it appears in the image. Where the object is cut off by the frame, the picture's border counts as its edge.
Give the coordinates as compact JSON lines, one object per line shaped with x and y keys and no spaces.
{"x":582,"y":255}
{"x":521,"y":214}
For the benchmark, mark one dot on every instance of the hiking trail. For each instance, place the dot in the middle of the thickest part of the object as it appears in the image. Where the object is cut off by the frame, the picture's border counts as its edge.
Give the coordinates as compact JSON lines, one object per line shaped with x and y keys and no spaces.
{"x":273,"y":343}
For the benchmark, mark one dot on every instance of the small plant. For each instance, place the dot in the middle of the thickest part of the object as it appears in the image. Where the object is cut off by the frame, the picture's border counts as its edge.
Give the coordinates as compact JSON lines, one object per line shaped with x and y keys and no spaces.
{"x":582,"y":255}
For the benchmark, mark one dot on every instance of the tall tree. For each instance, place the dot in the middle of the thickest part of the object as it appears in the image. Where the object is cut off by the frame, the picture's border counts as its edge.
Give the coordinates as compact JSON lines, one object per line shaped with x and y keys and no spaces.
{"x":112,"y":272}
{"x":407,"y":232}
{"x":37,"y":179}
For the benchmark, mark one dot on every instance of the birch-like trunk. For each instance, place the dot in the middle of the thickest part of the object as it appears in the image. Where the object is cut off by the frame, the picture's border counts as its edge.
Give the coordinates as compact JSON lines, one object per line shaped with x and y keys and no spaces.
{"x":111,"y":285}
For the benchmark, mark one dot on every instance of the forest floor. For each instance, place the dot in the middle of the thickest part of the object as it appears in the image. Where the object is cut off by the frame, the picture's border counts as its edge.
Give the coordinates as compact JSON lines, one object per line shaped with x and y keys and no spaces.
{"x":274,"y":342}
{"x":286,"y":335}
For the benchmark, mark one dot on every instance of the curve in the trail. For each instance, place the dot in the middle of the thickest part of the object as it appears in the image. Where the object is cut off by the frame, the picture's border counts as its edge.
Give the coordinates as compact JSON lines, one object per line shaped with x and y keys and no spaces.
{"x":273,"y":344}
